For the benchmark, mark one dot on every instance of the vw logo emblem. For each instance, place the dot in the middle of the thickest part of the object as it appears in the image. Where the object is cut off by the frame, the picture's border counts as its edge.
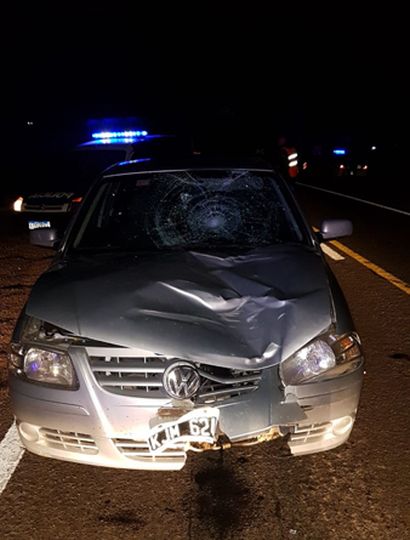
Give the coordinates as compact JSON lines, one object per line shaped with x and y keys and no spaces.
{"x":181,"y":380}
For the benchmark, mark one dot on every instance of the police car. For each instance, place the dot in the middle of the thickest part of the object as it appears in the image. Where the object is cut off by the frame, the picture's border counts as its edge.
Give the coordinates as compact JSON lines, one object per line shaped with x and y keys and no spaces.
{"x":62,"y":183}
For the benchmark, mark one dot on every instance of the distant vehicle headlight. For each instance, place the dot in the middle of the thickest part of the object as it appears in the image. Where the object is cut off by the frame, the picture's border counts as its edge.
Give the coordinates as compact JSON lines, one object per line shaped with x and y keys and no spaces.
{"x":43,"y":366}
{"x":326,"y":357}
{"x":18,"y":203}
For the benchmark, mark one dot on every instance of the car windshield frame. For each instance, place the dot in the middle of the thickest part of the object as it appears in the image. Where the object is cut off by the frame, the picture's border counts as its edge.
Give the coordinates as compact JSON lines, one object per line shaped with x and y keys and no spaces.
{"x":72,"y":243}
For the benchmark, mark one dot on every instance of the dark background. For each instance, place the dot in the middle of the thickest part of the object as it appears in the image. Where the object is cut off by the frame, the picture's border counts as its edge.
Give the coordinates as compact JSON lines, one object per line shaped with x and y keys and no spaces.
{"x":226,"y":77}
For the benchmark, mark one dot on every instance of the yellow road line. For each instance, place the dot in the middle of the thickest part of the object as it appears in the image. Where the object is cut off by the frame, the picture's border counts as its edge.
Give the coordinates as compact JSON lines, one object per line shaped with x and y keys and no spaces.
{"x":402,"y":285}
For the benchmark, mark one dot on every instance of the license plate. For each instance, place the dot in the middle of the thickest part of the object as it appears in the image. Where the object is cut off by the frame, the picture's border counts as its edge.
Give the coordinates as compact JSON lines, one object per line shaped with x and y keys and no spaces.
{"x":32,"y":225}
{"x":199,"y":425}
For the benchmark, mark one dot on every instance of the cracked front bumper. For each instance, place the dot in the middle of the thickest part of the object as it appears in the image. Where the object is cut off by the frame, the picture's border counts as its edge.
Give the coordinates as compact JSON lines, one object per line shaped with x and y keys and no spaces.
{"x":93,"y":426}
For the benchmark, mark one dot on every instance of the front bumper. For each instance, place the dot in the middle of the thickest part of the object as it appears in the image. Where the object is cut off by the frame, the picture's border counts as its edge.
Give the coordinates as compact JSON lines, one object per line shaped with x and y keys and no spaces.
{"x":93,"y":426}
{"x":56,"y":219}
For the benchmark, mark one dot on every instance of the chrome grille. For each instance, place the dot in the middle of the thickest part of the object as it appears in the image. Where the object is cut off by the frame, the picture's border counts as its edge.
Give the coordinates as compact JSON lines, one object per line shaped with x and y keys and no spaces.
{"x":141,"y":376}
{"x":69,"y":441}
{"x":220,"y":384}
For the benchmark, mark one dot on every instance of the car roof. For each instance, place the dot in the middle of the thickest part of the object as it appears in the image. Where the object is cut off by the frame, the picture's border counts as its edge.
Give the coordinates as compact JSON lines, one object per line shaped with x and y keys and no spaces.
{"x":190,"y":163}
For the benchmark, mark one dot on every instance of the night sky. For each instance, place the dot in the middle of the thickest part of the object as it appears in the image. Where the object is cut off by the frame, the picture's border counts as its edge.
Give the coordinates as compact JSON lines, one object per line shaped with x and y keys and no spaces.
{"x":262,"y":71}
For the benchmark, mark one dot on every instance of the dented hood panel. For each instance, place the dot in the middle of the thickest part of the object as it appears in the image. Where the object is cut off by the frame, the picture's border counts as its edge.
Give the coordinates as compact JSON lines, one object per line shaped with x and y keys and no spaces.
{"x":246,"y":311}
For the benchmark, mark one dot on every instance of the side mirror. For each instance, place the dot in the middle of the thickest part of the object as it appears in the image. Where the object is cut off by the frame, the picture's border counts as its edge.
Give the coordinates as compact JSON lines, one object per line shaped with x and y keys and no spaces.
{"x":334,"y":228}
{"x":44,"y":238}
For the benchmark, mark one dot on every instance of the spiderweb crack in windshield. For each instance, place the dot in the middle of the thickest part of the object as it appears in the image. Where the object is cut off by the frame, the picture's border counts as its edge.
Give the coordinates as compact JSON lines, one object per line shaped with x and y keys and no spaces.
{"x":194,"y":210}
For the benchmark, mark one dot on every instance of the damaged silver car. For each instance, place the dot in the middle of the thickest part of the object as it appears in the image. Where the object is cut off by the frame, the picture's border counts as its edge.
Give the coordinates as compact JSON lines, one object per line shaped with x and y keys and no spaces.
{"x":189,"y":307}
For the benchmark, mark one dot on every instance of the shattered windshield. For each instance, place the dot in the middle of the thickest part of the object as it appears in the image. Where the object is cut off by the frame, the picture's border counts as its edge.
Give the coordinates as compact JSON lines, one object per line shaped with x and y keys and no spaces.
{"x":156,"y":211}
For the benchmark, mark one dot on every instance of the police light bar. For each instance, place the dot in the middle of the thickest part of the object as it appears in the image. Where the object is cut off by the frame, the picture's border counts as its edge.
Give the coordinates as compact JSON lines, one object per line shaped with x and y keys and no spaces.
{"x":102,"y":135}
{"x":339,"y":151}
{"x":115,"y":140}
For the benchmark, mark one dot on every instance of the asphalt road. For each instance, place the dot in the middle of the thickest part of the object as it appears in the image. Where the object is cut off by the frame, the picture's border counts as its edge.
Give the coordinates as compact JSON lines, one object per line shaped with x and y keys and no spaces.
{"x":360,"y":490}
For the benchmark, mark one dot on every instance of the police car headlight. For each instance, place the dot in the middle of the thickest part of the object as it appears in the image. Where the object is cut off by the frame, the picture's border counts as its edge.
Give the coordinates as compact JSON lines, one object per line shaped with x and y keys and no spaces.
{"x":328,"y":356}
{"x":18,"y":203}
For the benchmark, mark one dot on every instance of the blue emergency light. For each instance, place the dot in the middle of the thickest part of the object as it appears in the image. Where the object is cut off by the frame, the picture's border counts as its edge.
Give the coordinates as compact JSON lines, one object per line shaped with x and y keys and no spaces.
{"x":119,"y":134}
{"x":110,"y":135}
{"x":339,"y":151}
{"x":128,"y":136}
{"x":117,"y":140}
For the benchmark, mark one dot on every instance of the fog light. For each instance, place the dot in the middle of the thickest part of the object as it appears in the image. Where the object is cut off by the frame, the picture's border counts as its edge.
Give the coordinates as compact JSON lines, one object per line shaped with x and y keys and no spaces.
{"x":28,"y":432}
{"x":342,"y":425}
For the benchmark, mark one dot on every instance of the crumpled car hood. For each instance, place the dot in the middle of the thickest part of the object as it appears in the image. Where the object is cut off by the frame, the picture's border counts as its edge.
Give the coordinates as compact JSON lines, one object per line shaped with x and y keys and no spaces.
{"x":245,"y":311}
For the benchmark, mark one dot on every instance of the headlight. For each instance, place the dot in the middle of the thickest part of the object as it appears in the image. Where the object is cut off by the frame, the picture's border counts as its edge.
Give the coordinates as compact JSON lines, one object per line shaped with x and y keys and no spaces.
{"x":18,"y":203}
{"x":43,"y":366}
{"x":327,"y":356}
